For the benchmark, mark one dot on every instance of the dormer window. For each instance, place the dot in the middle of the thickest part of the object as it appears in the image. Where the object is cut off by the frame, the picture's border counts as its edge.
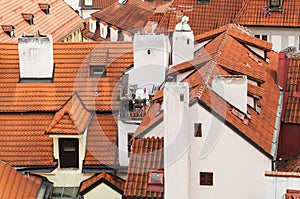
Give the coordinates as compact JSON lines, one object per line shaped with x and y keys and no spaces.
{"x":68,"y":153}
{"x":97,"y":71}
{"x":9,"y":29}
{"x":28,"y":18}
{"x":45,"y":8}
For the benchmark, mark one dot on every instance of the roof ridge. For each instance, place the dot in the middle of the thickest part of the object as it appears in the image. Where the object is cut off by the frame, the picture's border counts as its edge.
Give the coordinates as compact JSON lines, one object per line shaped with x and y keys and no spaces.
{"x":214,"y":62}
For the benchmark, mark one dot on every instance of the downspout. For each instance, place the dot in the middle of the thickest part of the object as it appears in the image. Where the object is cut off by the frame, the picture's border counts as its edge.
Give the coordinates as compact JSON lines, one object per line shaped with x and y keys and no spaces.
{"x":277,"y":128}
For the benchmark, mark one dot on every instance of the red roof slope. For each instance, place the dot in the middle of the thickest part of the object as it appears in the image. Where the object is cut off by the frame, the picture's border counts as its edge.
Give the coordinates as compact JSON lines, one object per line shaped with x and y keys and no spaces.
{"x":71,"y":119}
{"x":61,"y":21}
{"x":292,"y":110}
{"x":229,"y":55}
{"x":146,"y":155}
{"x":71,"y":74}
{"x":130,"y":16}
{"x":202,"y":17}
{"x":253,"y":14}
{"x":98,"y":4}
{"x":15,"y":185}
{"x":114,"y":182}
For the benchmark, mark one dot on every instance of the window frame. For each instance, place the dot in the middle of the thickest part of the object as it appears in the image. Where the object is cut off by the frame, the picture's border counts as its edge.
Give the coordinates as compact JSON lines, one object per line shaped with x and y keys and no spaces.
{"x":95,"y":67}
{"x":160,"y":172}
{"x":197,"y":129}
{"x":206,"y":178}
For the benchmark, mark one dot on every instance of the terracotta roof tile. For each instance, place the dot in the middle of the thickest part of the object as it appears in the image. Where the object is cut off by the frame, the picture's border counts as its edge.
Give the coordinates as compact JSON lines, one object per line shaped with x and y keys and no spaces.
{"x":100,"y":4}
{"x":72,"y":74}
{"x":253,"y":15}
{"x":61,"y":21}
{"x":101,"y":140}
{"x":131,"y":16}
{"x":226,"y":54}
{"x":200,"y":16}
{"x":292,"y":109}
{"x":15,"y":185}
{"x":292,"y":194}
{"x":114,"y":182}
{"x":72,"y":119}
{"x":146,"y":155}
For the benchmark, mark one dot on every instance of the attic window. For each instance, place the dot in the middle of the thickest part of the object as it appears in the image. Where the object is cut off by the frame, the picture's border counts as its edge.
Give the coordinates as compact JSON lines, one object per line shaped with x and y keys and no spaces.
{"x":97,"y":71}
{"x":206,"y":178}
{"x":28,"y":18}
{"x":275,"y":3}
{"x":202,"y":1}
{"x":9,"y":29}
{"x":156,"y":177}
{"x":155,"y":181}
{"x":198,"y":130}
{"x":45,"y":8}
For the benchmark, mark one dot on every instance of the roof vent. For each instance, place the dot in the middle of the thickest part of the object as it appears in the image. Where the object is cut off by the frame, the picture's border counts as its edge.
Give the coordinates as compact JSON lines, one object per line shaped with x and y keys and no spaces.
{"x":36,"y":57}
{"x":28,"y":17}
{"x":45,"y":8}
{"x":9,"y":29}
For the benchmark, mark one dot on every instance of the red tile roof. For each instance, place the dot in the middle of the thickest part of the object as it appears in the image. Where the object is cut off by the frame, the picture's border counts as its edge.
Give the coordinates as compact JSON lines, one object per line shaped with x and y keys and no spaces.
{"x":72,"y":119}
{"x":230,"y":56}
{"x":114,"y":182}
{"x":292,"y":108}
{"x":72,"y":74}
{"x":253,"y":14}
{"x":292,"y":194}
{"x":16,"y":185}
{"x":61,"y":21}
{"x":146,"y":155}
{"x":99,"y":4}
{"x":29,"y":108}
{"x":101,"y":143}
{"x":202,"y":17}
{"x":289,"y":164}
{"x":131,"y":16}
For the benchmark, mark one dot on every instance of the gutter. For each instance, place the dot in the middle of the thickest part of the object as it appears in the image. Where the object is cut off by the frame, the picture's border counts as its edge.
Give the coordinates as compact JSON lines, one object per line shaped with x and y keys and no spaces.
{"x":277,"y":125}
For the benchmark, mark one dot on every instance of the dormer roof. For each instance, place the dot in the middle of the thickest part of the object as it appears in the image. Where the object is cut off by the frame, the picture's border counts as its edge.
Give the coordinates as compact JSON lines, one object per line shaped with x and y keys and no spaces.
{"x":60,"y":22}
{"x":71,"y":119}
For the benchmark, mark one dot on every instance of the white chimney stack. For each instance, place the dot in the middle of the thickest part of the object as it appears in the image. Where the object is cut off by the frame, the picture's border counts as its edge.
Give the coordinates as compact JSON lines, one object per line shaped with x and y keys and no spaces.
{"x":177,"y":140}
{"x":183,"y":42}
{"x":36,"y":57}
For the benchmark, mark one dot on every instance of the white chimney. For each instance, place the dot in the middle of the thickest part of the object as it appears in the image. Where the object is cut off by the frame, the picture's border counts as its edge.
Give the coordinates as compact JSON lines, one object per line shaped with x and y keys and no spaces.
{"x":183,"y":42}
{"x":177,"y":140}
{"x":151,"y":49}
{"x":233,"y":89}
{"x":36,"y":57}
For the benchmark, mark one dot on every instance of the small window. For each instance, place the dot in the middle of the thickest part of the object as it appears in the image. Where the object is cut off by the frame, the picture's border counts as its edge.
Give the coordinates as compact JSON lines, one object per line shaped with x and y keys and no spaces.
{"x":129,"y":137}
{"x":97,"y":71}
{"x":202,"y":1}
{"x":188,"y":41}
{"x":264,"y":37}
{"x":275,"y":3}
{"x":88,"y":2}
{"x":206,"y":178}
{"x":198,"y":130}
{"x":156,"y":177}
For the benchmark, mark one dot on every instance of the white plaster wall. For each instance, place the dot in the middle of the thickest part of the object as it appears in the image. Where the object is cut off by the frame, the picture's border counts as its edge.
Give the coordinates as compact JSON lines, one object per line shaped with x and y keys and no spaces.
{"x":92,"y":25}
{"x":74,"y":4}
{"x":147,"y":76}
{"x":157,"y":131}
{"x":158,"y":46}
{"x":182,"y":49}
{"x":123,"y":130}
{"x":176,"y":141}
{"x":277,"y":186}
{"x":103,"y":30}
{"x":284,"y":32}
{"x":113,"y":34}
{"x":104,"y":192}
{"x":181,"y":76}
{"x":127,"y":37}
{"x":86,"y":13}
{"x":238,"y":168}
